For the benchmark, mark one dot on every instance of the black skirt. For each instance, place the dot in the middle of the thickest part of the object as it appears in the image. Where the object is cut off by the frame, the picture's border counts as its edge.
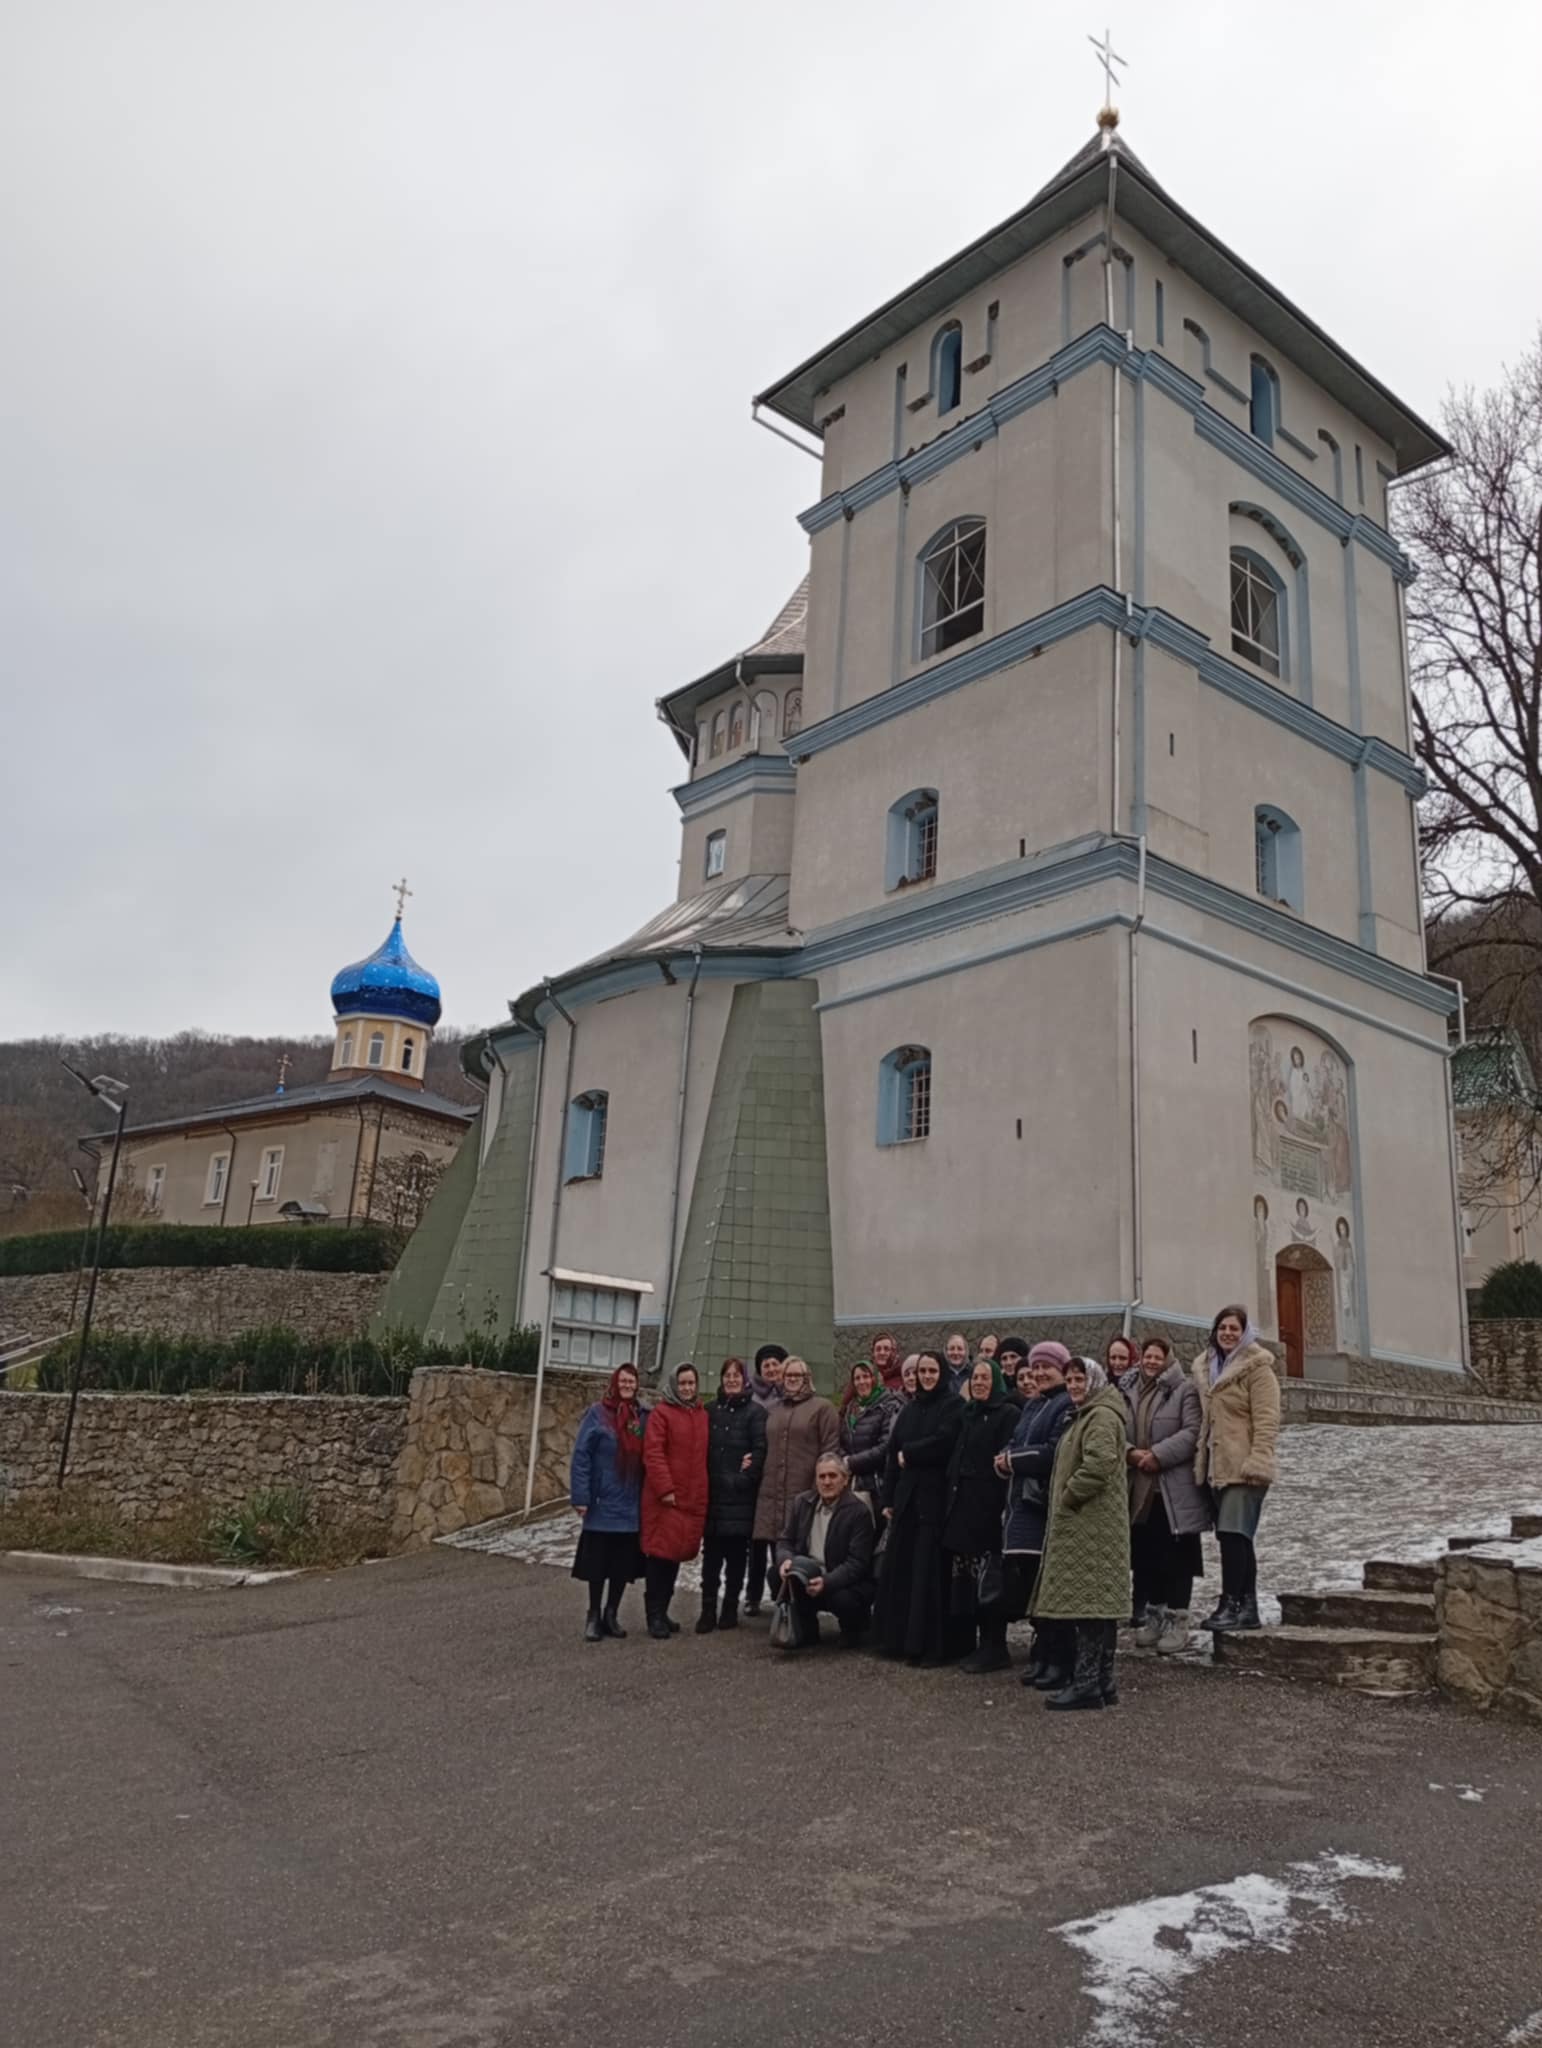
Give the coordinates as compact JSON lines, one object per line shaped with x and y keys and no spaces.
{"x":608,"y":1554}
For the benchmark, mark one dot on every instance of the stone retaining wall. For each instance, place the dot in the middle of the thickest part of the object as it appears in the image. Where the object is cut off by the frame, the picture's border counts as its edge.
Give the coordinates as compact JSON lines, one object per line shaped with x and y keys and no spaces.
{"x":467,"y":1447}
{"x":1488,"y":1609}
{"x":1507,"y":1358}
{"x":149,"y":1454}
{"x":1302,"y":1401}
{"x":195,"y":1301}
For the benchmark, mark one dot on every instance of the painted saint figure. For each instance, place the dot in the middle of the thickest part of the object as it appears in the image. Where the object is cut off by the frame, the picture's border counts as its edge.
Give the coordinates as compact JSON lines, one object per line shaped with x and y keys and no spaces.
{"x":1303,"y":1230}
{"x":1263,"y":1267}
{"x":1345,"y":1277}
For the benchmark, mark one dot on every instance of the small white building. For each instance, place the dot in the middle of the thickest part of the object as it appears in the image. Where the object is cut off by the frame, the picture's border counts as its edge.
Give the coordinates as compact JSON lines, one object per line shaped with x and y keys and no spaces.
{"x":1047,"y":948}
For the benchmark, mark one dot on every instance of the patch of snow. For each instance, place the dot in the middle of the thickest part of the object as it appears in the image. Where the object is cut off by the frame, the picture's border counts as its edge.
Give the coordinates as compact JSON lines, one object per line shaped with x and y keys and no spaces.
{"x":1528,"y":2030}
{"x":1472,"y":1794}
{"x":1526,"y":1557}
{"x":1140,"y":1956}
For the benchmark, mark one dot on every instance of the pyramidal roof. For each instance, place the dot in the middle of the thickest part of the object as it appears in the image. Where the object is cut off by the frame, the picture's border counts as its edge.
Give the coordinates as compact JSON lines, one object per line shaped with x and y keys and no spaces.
{"x":778,"y":651}
{"x":1077,"y":190}
{"x":788,"y":631}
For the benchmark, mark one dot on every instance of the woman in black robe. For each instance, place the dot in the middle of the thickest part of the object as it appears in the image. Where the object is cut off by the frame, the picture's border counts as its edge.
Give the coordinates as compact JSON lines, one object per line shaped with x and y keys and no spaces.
{"x":971,"y":1530}
{"x":911,"y":1616}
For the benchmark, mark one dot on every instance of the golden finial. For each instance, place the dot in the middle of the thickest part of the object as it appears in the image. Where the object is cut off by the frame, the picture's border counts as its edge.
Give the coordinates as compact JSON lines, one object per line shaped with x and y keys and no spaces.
{"x":402,"y":893}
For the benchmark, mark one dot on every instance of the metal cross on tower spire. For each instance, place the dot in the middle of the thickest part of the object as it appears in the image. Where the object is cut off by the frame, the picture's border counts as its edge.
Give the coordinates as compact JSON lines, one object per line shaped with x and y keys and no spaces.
{"x":1112,"y":62}
{"x":402,"y":893}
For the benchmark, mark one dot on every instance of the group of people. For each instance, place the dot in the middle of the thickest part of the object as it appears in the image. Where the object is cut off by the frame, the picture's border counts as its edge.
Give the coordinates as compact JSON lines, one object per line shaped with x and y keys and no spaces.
{"x":942,"y":1499}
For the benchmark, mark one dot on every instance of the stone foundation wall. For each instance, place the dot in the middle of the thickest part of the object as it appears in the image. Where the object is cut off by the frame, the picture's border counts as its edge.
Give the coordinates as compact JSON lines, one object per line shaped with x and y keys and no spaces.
{"x":1368,"y":1407}
{"x":1507,"y":1358}
{"x":1488,"y":1611}
{"x":467,"y":1447}
{"x":149,"y":1454}
{"x":196,"y":1301}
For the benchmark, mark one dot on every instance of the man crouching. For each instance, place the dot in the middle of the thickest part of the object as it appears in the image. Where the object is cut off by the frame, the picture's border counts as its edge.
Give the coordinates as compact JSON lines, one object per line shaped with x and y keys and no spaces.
{"x":825,"y":1557}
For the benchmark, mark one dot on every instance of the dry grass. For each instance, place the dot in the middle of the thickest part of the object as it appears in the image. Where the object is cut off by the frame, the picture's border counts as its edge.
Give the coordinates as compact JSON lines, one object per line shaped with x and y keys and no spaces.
{"x":276,"y":1532}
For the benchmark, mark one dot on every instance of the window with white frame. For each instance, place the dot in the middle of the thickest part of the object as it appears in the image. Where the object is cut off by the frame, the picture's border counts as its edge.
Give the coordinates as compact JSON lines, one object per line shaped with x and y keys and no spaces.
{"x":953,"y":586}
{"x":910,"y":848}
{"x":1257,"y":605}
{"x":1277,"y":857}
{"x":345,"y":1050}
{"x":584,"y":1155}
{"x":269,"y":1173}
{"x":593,"y":1327}
{"x":155,"y":1186}
{"x":717,"y":853}
{"x":408,"y":1049}
{"x":377,"y":1049}
{"x":219,"y":1173}
{"x":905,"y":1095}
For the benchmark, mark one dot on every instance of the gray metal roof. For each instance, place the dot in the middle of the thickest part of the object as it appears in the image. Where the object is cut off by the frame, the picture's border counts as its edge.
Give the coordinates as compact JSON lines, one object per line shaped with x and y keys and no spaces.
{"x":728,"y":917}
{"x":1072,"y":193}
{"x":318,"y":1095}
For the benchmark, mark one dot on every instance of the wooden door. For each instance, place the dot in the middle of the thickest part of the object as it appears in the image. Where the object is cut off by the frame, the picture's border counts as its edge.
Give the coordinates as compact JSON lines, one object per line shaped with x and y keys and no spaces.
{"x":1287,"y":1285}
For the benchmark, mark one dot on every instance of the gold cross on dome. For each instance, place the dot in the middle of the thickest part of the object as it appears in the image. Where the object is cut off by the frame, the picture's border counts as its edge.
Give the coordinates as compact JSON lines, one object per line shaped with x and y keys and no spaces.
{"x":402,"y":893}
{"x":1109,"y":58}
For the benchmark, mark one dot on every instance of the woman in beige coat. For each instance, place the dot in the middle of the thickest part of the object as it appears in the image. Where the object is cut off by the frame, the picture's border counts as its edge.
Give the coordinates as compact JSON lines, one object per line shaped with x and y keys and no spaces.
{"x":1239,"y":1395}
{"x":799,"y":1429}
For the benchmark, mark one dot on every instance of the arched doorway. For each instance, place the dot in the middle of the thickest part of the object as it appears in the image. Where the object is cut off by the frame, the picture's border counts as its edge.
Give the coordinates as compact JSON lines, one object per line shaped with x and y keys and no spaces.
{"x":1305,"y":1306}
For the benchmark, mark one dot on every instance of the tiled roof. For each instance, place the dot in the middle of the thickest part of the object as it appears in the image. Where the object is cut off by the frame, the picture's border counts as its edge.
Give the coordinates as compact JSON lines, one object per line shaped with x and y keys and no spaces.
{"x":1490,"y":1070}
{"x":779,"y":649}
{"x":318,"y":1095}
{"x":788,"y":631}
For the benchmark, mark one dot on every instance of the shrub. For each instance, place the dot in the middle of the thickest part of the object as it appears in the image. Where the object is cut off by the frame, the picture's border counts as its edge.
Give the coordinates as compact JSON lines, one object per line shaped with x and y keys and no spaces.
{"x":275,"y":1360}
{"x":305,"y":1249}
{"x":1512,"y":1290}
{"x":278,"y":1529}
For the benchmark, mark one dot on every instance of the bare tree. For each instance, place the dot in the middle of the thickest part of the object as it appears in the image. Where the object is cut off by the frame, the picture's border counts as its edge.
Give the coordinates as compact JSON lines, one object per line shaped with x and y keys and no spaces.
{"x":1473,"y":526}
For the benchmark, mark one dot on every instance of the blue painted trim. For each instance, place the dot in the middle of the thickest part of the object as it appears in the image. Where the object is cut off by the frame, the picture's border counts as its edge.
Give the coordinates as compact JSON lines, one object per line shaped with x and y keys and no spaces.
{"x":1338,"y":463}
{"x":1213,"y":375}
{"x":840,"y":616}
{"x":766,"y":772}
{"x":1138,"y":584}
{"x":1102,"y":345}
{"x":1161,"y":315}
{"x":1352,"y":640}
{"x":1300,"y":446}
{"x":1138,"y":812}
{"x":1100,"y":607}
{"x":1367,"y":920}
{"x":1083,"y":929}
{"x":908,"y":581}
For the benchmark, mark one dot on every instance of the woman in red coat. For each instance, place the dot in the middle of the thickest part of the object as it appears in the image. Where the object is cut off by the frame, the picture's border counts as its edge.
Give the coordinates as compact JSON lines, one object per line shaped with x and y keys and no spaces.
{"x":674,"y":1494}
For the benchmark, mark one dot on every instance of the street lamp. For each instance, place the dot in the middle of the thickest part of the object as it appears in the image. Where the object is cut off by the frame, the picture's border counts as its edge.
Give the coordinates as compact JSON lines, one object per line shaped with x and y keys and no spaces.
{"x":112,"y":1095}
{"x":89,"y":1198}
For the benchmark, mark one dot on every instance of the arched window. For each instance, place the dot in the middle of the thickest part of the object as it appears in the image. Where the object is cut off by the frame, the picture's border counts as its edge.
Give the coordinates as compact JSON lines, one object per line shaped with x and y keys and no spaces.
{"x":1263,"y":403}
{"x":736,"y":725}
{"x":1277,"y":857}
{"x":792,"y":713}
{"x":948,"y":366}
{"x":763,"y":720}
{"x":377,"y":1048}
{"x":910,"y":845}
{"x":345,"y":1050}
{"x":717,"y":854}
{"x":905,"y":1095}
{"x":406,"y":1055}
{"x":719,"y":733}
{"x":584,"y":1157}
{"x":1257,"y":611}
{"x":703,"y":742}
{"x":953,"y":586}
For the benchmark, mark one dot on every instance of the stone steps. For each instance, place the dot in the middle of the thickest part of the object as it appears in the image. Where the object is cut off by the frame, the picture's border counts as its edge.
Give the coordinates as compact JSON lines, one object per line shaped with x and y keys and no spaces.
{"x":1360,"y":1608}
{"x":1399,"y":1575}
{"x":1525,"y":1528}
{"x":1360,"y":1659}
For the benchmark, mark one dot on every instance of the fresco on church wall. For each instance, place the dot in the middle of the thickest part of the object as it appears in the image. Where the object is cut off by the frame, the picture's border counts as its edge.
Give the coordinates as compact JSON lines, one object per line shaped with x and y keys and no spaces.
{"x":1303,"y":1179}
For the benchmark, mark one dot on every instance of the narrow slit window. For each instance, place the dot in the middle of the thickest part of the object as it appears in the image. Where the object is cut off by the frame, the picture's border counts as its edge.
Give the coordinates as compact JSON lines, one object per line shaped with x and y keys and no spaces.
{"x":948,"y":367}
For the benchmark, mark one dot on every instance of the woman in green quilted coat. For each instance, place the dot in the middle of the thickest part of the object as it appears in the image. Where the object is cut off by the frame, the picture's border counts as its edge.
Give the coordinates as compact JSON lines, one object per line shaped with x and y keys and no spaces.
{"x":1085,"y":1577}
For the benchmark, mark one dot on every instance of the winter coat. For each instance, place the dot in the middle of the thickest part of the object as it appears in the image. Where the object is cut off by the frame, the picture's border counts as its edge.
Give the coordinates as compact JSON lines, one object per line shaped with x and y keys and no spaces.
{"x":1240,"y":1419}
{"x":613,"y":1504}
{"x":1085,"y":1575}
{"x":736,"y":1429}
{"x":797,"y":1432}
{"x":977,"y":1494}
{"x":674,"y":1461}
{"x":1176,"y":1418}
{"x":926,"y":1432}
{"x":1031,"y":1456}
{"x":849,"y":1540}
{"x":864,"y":1440}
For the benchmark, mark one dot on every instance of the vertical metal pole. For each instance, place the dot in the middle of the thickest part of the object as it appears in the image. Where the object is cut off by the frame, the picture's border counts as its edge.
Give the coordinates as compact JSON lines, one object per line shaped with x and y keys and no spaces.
{"x":85,"y":1321}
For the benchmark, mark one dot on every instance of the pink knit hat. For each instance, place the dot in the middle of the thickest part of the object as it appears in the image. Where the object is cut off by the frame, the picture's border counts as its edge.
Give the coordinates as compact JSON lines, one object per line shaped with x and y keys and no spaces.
{"x":1050,"y":1354}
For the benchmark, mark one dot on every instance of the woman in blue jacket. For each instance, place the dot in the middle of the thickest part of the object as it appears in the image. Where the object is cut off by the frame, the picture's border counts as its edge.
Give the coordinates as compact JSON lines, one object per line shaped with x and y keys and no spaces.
{"x":605,"y":1485}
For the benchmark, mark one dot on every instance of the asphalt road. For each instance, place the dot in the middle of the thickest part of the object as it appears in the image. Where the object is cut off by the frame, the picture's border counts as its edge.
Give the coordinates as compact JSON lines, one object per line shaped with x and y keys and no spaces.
{"x":406,"y":1807}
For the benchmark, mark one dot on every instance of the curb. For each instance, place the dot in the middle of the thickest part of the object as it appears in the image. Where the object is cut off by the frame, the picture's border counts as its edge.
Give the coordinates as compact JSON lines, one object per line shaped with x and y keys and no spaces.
{"x":188,"y":1577}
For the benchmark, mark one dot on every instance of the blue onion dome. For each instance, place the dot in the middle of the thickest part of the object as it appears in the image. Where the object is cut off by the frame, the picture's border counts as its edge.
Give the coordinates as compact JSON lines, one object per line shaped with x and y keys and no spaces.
{"x":390,"y":983}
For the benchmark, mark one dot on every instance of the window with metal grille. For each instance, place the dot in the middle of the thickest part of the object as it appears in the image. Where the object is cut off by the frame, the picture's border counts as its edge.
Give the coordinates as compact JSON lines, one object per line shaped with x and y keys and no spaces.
{"x":1256,"y":600}
{"x":953,"y":586}
{"x":910,"y":846}
{"x":584,"y":1153}
{"x":594,"y":1328}
{"x":905,"y":1096}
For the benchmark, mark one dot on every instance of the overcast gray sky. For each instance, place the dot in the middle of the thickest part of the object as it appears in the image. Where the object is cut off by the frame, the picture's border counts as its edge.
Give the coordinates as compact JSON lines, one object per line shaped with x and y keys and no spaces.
{"x":374,"y":411}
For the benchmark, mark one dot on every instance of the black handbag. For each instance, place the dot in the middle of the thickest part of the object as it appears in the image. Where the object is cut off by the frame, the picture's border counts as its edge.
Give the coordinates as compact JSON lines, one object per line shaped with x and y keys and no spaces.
{"x":990,"y":1583}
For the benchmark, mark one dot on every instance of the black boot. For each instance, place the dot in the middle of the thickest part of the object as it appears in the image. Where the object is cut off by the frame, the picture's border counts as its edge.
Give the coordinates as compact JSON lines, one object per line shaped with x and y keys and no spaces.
{"x":1108,"y":1685}
{"x":1223,"y":1615}
{"x":658,"y":1624}
{"x":993,"y":1654}
{"x":1058,"y":1656}
{"x":1033,"y":1670}
{"x":610,"y":1625}
{"x":707,"y":1620}
{"x":593,"y":1633}
{"x":1244,"y":1614}
{"x":728,"y":1617}
{"x":1085,"y":1689}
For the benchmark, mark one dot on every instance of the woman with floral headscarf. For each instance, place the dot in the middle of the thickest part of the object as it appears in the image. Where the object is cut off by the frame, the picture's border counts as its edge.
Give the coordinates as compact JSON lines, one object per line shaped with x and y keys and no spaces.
{"x":674,"y":1495}
{"x":867,"y":1412}
{"x":605,"y":1486}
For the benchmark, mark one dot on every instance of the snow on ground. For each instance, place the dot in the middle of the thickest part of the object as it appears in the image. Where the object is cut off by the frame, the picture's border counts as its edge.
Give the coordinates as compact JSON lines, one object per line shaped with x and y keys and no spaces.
{"x":1138,"y":1957}
{"x":1343,"y":1495}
